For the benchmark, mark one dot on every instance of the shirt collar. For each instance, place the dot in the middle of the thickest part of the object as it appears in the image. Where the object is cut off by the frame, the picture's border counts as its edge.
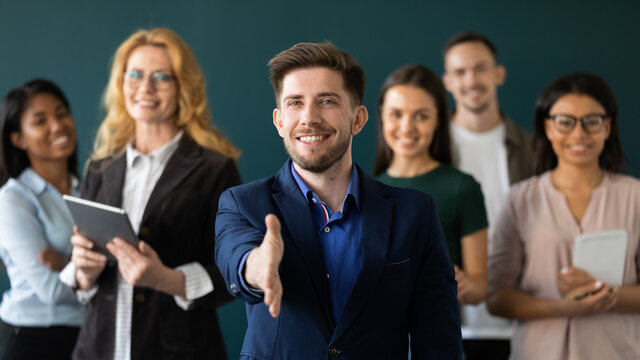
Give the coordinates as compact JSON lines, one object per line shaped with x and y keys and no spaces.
{"x":162,"y":153}
{"x":37,"y":184}
{"x":354,"y":185}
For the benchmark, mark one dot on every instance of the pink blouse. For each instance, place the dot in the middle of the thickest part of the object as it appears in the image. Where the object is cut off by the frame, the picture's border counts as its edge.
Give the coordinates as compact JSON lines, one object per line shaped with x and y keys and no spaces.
{"x":533,"y":239}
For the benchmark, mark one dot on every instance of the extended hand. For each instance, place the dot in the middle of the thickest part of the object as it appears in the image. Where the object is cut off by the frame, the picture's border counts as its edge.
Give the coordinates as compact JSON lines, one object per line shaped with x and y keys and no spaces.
{"x":570,"y":278}
{"x":89,"y":264}
{"x":261,"y":267}
{"x":142,"y":267}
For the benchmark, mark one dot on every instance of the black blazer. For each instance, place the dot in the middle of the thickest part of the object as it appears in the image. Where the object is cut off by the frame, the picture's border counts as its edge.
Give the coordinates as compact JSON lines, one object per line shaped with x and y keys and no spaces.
{"x":178,"y":222}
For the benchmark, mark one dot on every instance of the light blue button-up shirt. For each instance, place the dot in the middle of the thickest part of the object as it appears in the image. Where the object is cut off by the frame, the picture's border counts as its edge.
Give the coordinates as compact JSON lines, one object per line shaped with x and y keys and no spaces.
{"x":33,"y":217}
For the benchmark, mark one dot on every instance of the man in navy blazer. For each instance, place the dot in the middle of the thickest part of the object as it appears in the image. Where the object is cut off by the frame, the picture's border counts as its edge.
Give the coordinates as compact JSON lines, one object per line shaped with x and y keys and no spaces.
{"x":331,"y":263}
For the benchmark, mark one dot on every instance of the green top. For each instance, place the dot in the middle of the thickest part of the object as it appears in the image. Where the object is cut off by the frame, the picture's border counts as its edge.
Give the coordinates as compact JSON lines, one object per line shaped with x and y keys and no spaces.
{"x":458,"y":199}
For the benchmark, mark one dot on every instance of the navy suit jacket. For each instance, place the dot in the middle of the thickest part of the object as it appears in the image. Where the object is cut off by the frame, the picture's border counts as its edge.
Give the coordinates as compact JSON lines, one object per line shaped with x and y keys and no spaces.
{"x":406,"y":285}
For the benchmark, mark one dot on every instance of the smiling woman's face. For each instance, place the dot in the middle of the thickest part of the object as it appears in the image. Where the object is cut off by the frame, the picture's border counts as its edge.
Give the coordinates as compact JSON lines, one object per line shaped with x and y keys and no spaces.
{"x":577,"y":147}
{"x":149,"y":86}
{"x":47,"y":131}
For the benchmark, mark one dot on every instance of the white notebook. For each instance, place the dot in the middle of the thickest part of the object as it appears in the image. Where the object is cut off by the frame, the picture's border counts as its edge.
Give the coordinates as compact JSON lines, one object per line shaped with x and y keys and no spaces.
{"x":602,"y":255}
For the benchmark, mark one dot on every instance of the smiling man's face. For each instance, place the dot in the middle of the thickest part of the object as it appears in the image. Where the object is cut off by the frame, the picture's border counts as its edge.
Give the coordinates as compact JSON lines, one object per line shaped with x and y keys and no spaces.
{"x":316,"y":118}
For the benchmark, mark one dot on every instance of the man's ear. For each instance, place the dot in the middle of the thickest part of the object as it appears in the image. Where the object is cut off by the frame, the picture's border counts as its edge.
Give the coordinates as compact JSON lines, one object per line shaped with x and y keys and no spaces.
{"x":445,"y":82}
{"x":501,"y":74}
{"x":360,"y":119}
{"x":277,"y":121}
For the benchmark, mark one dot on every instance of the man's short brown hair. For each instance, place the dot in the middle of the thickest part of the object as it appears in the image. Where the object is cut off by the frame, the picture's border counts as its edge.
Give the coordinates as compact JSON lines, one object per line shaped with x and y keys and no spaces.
{"x":309,"y":55}
{"x":470,"y":36}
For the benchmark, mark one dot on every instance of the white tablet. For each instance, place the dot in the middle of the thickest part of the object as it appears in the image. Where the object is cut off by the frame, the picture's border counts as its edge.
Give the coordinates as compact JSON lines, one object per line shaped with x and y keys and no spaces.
{"x":100,"y":223}
{"x":602,"y":255}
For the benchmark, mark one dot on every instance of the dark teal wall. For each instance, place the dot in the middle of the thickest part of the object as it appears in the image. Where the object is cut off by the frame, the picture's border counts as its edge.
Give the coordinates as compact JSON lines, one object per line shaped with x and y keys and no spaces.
{"x":71,"y":42}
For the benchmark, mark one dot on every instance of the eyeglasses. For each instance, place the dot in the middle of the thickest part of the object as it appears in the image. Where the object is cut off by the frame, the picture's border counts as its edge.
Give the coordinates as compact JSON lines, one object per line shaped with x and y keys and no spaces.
{"x":159,"y":80}
{"x":592,"y":123}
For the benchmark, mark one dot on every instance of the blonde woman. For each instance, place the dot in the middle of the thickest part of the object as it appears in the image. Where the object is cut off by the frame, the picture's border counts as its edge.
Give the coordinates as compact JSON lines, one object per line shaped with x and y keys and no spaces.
{"x":157,"y":156}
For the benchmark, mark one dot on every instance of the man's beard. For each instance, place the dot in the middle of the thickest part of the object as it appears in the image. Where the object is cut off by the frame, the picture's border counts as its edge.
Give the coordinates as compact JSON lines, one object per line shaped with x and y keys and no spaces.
{"x":479,"y":108}
{"x":320,"y":163}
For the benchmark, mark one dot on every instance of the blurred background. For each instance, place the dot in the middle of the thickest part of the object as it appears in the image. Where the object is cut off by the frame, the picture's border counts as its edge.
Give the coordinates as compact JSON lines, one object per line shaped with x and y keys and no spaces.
{"x":71,"y":42}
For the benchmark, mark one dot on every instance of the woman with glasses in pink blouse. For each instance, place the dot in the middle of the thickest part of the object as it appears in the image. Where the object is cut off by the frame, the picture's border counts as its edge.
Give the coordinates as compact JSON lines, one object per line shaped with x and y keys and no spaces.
{"x":562,"y":311}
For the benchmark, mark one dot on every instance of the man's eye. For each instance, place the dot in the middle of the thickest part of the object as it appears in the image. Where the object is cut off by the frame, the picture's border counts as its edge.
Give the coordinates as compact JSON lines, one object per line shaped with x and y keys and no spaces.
{"x":328,"y":102}
{"x":295,"y":103}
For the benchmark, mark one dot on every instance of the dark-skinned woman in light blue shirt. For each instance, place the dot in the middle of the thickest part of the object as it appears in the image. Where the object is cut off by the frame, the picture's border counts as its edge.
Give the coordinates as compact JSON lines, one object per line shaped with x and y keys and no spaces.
{"x":40,"y":316}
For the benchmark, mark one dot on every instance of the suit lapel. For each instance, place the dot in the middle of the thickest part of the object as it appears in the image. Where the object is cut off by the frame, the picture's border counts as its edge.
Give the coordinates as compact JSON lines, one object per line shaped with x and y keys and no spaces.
{"x":113,"y":181}
{"x":297,"y":219}
{"x":182,"y":163}
{"x":376,"y":210}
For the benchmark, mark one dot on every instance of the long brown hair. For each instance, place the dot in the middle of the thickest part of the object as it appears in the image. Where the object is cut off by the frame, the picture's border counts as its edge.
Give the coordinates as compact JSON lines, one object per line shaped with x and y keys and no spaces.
{"x":422,"y":78}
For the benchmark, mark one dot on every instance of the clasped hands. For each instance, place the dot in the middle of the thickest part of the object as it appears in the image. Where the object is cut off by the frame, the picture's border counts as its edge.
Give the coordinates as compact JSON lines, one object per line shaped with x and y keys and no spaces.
{"x":261,"y":266}
{"x":139,"y":267}
{"x":471,"y":290}
{"x":584,"y":294}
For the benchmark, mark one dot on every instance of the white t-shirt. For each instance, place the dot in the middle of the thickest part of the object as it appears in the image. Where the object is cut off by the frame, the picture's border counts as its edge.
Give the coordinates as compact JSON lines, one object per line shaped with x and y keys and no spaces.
{"x":484,"y":156}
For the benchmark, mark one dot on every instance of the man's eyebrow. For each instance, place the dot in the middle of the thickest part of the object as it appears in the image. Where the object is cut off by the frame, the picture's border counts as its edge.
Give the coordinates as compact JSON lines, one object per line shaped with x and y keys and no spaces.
{"x":328,"y":93}
{"x":292,"y":97}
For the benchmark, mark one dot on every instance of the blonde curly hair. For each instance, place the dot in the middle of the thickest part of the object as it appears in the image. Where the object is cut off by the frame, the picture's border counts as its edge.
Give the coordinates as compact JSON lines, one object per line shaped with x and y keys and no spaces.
{"x":118,"y":128}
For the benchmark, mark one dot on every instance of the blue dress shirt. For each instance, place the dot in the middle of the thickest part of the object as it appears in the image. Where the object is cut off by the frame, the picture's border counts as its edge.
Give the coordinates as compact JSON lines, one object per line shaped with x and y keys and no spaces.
{"x":33,"y":217}
{"x":340,"y":236}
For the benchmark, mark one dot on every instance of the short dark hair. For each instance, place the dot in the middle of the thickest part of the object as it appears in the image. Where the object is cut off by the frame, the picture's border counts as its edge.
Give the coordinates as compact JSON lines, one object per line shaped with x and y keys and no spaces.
{"x":469,"y":36}
{"x":591,"y":85}
{"x":15,"y":160}
{"x":308,"y":55}
{"x":421,"y":77}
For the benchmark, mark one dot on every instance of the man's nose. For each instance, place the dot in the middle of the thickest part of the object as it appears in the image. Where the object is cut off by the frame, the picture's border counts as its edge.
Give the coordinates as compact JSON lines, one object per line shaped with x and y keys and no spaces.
{"x":310,"y":115}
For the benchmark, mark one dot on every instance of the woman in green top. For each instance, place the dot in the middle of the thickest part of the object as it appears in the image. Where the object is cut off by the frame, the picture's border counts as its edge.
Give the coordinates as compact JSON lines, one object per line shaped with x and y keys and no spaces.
{"x":413,"y":151}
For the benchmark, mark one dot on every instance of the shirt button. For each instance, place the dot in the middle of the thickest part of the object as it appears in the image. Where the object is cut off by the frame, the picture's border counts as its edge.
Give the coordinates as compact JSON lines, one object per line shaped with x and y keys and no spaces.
{"x":327,"y":229}
{"x":334,"y":351}
{"x":314,"y":200}
{"x":327,"y":275}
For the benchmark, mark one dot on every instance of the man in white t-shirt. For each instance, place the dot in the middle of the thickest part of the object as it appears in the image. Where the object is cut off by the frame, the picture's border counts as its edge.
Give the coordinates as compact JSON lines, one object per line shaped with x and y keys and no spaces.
{"x":492,"y":148}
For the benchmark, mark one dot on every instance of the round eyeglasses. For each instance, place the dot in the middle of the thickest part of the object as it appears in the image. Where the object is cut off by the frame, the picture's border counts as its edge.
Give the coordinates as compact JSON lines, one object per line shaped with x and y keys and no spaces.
{"x":591,"y":123}
{"x":160,"y":81}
